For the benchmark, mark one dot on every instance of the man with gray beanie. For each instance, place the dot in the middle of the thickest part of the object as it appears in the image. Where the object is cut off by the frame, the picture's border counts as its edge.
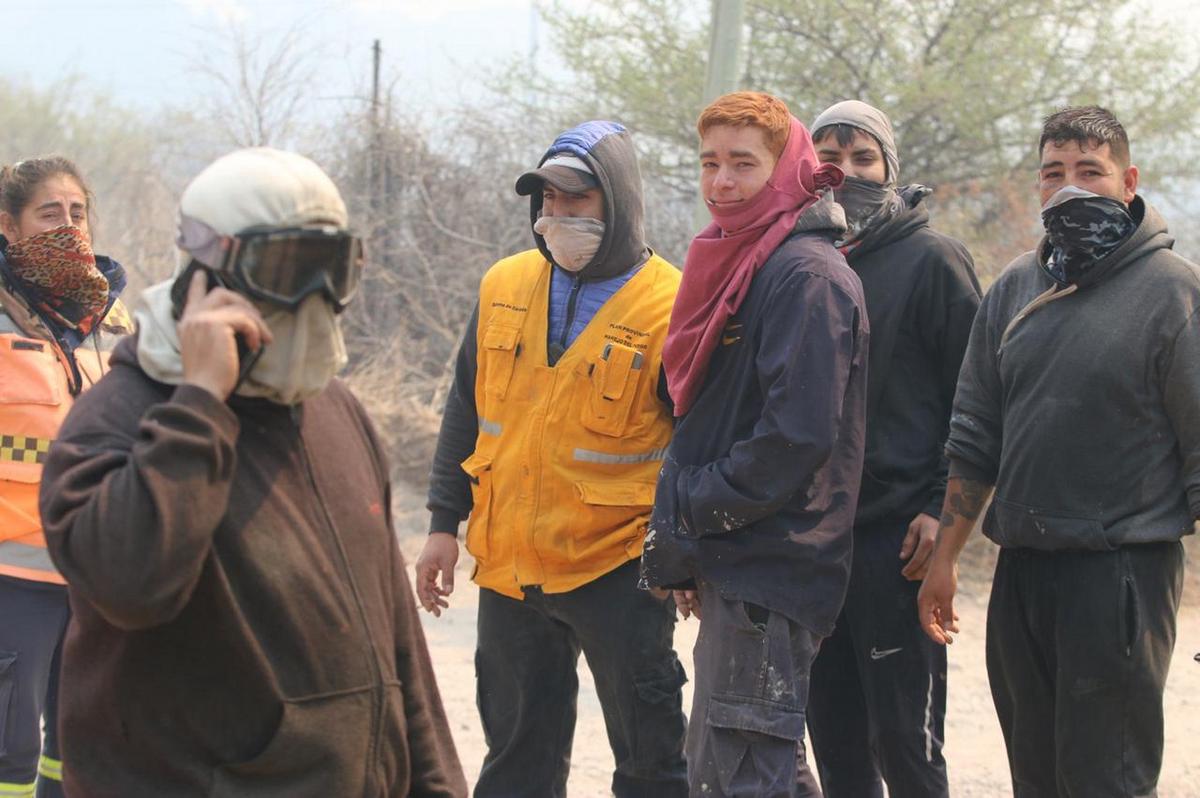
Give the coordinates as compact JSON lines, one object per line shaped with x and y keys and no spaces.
{"x":220,"y":504}
{"x":878,"y":686}
{"x":553,"y":435}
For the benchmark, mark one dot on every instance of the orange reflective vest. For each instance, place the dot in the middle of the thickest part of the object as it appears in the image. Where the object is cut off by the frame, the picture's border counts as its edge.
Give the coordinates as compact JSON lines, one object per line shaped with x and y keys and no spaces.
{"x":566,"y":459}
{"x":37,"y":387}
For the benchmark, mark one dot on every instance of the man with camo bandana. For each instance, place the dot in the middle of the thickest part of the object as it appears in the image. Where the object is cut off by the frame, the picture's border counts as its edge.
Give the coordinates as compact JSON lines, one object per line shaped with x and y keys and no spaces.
{"x":1079,"y":404}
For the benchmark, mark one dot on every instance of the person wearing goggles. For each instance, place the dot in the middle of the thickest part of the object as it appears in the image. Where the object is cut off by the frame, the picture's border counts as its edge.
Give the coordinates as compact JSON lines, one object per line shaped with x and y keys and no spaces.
{"x":280,"y":266}
{"x":244,"y":621}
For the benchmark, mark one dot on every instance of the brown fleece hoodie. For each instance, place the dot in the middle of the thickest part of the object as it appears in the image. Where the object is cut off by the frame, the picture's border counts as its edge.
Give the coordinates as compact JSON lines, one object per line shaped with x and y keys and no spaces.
{"x":243,"y":622}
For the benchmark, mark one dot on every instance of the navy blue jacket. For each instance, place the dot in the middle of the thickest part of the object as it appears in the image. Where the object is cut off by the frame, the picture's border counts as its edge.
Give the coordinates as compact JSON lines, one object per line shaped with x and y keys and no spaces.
{"x":758,"y":490}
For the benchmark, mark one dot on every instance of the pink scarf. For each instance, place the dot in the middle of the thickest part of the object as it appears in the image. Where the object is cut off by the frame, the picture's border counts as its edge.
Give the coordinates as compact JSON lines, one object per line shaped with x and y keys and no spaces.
{"x":723,"y":259}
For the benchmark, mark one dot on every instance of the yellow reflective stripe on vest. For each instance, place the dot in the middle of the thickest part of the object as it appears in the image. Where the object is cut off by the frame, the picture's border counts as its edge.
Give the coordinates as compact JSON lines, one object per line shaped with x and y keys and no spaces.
{"x":490,"y":427}
{"x":10,"y":790}
{"x":22,"y":555}
{"x":591,"y":456}
{"x":50,"y":768}
{"x":23,"y":449}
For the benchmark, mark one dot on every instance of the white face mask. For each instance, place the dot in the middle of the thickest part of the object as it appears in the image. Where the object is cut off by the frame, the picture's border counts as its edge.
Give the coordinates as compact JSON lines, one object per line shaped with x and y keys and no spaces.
{"x":572,"y":241}
{"x":307,"y":352}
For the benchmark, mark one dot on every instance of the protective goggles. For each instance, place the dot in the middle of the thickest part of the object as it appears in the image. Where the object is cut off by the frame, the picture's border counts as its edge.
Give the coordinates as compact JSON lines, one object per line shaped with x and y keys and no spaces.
{"x":285,"y":266}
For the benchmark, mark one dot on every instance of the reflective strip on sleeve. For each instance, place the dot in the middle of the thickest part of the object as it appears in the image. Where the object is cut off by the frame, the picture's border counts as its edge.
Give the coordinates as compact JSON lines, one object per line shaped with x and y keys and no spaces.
{"x":22,"y":555}
{"x":23,"y":449}
{"x":50,"y":768}
{"x":590,"y":456}
{"x":490,"y":427}
{"x":11,"y":790}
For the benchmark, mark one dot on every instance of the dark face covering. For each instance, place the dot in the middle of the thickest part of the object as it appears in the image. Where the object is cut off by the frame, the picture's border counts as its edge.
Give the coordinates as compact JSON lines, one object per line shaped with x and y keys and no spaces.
{"x":866,"y":204}
{"x":1083,"y":228}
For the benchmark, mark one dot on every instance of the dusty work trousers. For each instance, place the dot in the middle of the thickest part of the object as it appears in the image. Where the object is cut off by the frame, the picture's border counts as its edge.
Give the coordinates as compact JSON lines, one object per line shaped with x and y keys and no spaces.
{"x":525,"y":666}
{"x":877,"y":706}
{"x":33,"y":617}
{"x":751,"y":679}
{"x":1078,"y":647}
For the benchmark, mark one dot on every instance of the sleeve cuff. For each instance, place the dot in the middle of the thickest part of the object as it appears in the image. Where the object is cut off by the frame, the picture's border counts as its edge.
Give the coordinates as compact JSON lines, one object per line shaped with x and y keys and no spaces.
{"x":442,"y":519}
{"x":968,"y":470}
{"x":1194,"y":502}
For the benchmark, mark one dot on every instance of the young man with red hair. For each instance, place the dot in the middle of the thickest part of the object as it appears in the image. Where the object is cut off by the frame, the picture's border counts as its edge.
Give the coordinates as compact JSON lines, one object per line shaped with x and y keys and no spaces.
{"x":766,"y":364}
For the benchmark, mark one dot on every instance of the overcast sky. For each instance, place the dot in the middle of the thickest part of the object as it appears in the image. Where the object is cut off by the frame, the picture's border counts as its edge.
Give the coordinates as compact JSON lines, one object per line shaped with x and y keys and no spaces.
{"x":141,"y":51}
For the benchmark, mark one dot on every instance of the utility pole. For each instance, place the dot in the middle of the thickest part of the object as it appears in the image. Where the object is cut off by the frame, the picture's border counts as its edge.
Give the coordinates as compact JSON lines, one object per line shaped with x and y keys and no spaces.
{"x":376,"y":165}
{"x":724,"y":56}
{"x":377,"y":56}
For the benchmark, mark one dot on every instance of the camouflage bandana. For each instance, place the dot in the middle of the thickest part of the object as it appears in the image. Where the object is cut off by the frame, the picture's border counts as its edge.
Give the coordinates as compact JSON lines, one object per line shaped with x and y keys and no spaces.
{"x":1082,"y":228}
{"x":58,"y":272}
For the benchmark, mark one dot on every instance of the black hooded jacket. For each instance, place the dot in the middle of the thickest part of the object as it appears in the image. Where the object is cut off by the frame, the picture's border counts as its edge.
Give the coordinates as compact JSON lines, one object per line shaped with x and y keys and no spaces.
{"x":757,"y":493}
{"x":921,"y":294}
{"x":1084,"y":411}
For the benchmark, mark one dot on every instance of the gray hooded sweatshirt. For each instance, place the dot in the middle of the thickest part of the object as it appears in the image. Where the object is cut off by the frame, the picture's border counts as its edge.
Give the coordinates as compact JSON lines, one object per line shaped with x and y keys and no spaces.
{"x":1085,"y":414}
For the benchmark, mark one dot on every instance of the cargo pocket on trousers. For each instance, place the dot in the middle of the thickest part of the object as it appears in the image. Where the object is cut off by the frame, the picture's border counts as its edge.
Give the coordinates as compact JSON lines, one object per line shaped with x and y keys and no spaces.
{"x":500,"y":350}
{"x":8,"y":679}
{"x":753,"y":744}
{"x":659,"y":725}
{"x":479,"y":468}
{"x":308,"y":753}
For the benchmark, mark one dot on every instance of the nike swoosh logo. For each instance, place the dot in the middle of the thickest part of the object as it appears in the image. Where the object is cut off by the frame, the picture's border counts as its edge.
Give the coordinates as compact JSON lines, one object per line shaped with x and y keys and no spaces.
{"x":887,"y":652}
{"x":730,"y":339}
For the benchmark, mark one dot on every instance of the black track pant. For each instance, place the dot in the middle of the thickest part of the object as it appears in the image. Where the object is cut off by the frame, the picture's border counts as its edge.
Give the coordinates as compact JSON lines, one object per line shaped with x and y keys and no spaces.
{"x":1078,"y":646}
{"x":877,"y":701}
{"x":525,"y":663}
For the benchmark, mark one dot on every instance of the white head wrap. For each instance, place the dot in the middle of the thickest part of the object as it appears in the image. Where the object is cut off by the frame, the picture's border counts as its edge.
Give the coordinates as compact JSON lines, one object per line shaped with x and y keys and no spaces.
{"x":250,"y":188}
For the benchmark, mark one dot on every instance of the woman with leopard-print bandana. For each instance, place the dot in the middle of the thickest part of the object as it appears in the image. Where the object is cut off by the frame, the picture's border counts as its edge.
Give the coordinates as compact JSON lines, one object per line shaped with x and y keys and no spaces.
{"x":59,"y":314}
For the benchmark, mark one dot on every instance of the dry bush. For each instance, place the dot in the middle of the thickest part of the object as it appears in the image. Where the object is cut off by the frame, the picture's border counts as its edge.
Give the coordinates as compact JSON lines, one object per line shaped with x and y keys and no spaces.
{"x":433,"y":217}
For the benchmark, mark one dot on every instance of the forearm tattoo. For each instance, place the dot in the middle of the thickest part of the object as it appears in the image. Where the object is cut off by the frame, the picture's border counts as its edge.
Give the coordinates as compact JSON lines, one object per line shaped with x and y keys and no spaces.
{"x":966,"y":502}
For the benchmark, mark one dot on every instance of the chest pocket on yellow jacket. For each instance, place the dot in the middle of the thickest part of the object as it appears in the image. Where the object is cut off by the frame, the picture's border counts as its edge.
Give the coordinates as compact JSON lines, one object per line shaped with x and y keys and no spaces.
{"x":500,"y":349}
{"x":613,"y":390}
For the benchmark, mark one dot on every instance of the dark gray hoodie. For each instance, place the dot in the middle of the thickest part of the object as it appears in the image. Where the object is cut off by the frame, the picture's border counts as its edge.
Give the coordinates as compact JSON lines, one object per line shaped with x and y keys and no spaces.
{"x":1086,"y":415}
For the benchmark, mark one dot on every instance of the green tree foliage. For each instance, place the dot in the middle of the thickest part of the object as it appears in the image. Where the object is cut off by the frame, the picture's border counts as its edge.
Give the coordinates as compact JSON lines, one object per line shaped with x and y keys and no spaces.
{"x":966,"y":83}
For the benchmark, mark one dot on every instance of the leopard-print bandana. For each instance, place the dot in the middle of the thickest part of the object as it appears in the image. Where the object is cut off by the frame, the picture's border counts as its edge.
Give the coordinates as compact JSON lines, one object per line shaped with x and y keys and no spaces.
{"x":58,"y":270}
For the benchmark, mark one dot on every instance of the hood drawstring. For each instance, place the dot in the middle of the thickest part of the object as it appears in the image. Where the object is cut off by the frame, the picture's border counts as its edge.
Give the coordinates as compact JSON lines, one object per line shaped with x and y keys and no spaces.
{"x":1041,"y":300}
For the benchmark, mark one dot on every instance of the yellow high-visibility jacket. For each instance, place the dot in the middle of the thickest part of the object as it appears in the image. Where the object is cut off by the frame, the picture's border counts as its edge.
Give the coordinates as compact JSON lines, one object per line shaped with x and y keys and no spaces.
{"x":37,"y":388}
{"x":566,"y":459}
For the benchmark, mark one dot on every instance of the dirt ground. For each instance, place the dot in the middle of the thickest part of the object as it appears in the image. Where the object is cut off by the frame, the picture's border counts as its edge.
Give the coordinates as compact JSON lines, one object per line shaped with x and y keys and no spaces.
{"x":974,"y":750}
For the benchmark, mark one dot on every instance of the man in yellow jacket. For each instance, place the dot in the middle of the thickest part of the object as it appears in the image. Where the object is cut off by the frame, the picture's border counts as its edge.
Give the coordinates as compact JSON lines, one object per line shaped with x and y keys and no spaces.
{"x":59,"y":315}
{"x":552,"y":439}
